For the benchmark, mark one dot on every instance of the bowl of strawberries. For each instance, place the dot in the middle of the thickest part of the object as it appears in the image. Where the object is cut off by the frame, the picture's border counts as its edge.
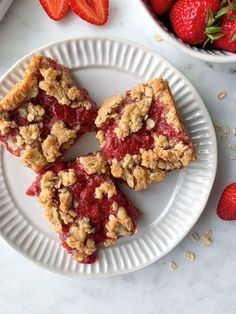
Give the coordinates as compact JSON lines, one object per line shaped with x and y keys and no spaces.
{"x":205,"y":29}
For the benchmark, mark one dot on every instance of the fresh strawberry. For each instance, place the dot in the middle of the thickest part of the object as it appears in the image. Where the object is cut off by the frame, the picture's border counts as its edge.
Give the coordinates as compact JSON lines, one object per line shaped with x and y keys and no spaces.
{"x":160,"y":7}
{"x":189,"y":19}
{"x":228,"y":30}
{"x":226,"y":209}
{"x":92,"y":11}
{"x":55,"y":9}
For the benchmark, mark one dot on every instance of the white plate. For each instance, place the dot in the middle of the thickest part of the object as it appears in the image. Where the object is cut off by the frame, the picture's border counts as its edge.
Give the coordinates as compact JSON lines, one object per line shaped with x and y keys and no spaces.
{"x":210,"y":55}
{"x":107,"y":66}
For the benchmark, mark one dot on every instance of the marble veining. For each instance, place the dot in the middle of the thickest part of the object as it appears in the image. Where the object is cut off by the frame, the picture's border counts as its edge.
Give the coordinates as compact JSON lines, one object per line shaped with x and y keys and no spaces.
{"x":206,"y":285}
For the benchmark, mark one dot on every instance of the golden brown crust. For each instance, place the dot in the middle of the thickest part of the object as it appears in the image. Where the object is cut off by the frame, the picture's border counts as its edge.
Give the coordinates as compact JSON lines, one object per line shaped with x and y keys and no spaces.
{"x":26,"y":89}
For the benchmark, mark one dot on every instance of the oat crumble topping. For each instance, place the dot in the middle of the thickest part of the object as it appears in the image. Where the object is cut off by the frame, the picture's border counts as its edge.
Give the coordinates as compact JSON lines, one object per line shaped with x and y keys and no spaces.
{"x":30,"y":133}
{"x":33,"y":158}
{"x":108,"y":109}
{"x":6,"y":125}
{"x":134,"y":114}
{"x":67,"y":177}
{"x":119,"y":225}
{"x":106,"y":188}
{"x":62,"y":133}
{"x":51,"y":148}
{"x":94,"y":164}
{"x":31,"y":112}
{"x":79,"y":239}
{"x":57,"y":84}
{"x":16,"y":142}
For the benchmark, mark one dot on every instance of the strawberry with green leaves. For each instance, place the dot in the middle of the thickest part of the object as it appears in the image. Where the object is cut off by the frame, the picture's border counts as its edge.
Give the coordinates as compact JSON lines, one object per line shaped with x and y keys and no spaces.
{"x":191,"y":19}
{"x":227,"y":32}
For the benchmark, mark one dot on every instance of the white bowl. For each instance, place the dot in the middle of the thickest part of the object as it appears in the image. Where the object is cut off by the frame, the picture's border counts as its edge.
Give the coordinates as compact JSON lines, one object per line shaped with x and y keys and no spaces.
{"x":218,"y":56}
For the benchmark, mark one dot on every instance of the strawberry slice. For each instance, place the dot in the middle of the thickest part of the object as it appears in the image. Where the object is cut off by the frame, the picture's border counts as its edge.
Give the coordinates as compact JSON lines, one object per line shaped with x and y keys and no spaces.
{"x":92,"y":11}
{"x":55,"y":9}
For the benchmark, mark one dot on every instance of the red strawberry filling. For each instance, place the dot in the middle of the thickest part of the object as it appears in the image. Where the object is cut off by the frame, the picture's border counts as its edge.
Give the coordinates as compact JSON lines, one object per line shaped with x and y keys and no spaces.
{"x":118,"y":148}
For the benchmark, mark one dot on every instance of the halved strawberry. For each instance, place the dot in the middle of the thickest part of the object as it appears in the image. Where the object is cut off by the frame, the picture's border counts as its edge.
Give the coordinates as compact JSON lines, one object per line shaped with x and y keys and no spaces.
{"x":55,"y":9}
{"x":92,"y":11}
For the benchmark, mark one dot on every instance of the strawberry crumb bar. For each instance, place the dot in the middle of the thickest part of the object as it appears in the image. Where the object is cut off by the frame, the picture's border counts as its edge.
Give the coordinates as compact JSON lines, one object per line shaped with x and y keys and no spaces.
{"x":84,"y":205}
{"x":44,"y":113}
{"x":141,"y":135}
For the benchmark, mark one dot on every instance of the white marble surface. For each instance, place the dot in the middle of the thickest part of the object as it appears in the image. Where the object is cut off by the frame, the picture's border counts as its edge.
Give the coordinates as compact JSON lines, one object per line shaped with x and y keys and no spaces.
{"x":206,"y":285}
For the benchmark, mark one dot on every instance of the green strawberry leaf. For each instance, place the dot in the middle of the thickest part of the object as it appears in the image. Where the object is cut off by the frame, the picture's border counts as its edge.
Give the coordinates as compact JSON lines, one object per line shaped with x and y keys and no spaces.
{"x":234,"y":37}
{"x":233,"y":18}
{"x":213,"y":30}
{"x":210,"y":17}
{"x":213,"y":37}
{"x":232,"y":5}
{"x":221,"y":12}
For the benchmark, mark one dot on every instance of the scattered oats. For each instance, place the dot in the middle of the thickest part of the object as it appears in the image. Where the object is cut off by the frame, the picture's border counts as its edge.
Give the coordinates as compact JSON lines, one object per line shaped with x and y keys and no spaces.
{"x":206,"y":238}
{"x":233,"y":158}
{"x":232,"y":147}
{"x":189,"y":256}
{"x":195,"y":237}
{"x":158,"y":38}
{"x":224,"y":138}
{"x":234,"y":131}
{"x":221,"y":94}
{"x":173,"y":265}
{"x":217,"y":126}
{"x":226,"y":130}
